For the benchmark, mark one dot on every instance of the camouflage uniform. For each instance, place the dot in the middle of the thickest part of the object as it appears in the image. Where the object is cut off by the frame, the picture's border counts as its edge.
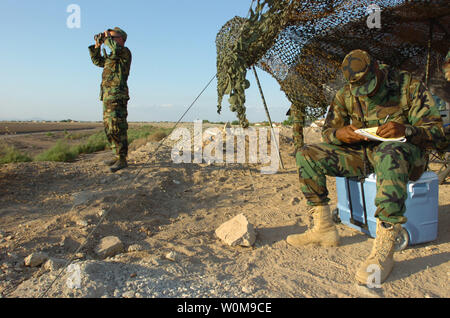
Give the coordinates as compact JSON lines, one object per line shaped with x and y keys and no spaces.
{"x":297,"y":126}
{"x":446,"y":66}
{"x":404,"y":100}
{"x":114,"y":92}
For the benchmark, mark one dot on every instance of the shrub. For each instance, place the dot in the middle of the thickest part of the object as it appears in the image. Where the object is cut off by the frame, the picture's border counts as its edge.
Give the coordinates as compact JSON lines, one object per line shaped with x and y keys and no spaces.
{"x":60,"y":152}
{"x":11,"y":154}
{"x":63,"y":152}
{"x":95,"y":142}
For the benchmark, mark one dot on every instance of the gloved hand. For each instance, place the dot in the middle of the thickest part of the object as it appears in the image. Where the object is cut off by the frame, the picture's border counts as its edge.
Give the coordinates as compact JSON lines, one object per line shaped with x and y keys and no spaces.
{"x":347,"y":135}
{"x":391,"y":130}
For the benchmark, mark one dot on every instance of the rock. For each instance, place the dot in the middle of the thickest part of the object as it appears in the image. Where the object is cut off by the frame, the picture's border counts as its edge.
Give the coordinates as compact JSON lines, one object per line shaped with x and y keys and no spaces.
{"x":135,"y":248}
{"x":6,"y":265}
{"x":154,"y":261}
{"x":247,"y":289}
{"x":128,"y":294}
{"x":295,"y":201}
{"x":82,"y":222}
{"x":54,"y":264}
{"x":109,"y":246}
{"x":172,"y":256}
{"x":35,"y":259}
{"x":237,"y":231}
{"x":69,"y":243}
{"x":82,"y":197}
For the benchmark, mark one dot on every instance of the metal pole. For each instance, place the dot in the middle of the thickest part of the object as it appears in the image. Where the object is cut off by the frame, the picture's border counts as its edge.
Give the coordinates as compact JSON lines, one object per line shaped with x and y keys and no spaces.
{"x":268,"y":116}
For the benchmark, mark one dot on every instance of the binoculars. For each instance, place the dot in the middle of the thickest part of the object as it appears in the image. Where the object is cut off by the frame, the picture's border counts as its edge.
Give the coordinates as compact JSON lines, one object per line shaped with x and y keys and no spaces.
{"x":100,"y":38}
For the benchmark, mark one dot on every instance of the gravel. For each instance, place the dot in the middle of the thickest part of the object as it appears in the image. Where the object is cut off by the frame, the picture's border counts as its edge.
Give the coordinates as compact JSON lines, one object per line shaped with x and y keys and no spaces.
{"x":112,"y":279}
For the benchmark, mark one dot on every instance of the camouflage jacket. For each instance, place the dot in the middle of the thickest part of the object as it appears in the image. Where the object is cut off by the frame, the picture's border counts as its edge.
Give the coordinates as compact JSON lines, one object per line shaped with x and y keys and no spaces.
{"x":446,"y":66}
{"x":404,"y":99}
{"x":116,"y":68}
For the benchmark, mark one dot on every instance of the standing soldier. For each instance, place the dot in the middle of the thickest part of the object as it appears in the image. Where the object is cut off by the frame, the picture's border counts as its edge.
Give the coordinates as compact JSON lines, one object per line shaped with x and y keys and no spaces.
{"x":375,"y":95}
{"x":114,"y":91}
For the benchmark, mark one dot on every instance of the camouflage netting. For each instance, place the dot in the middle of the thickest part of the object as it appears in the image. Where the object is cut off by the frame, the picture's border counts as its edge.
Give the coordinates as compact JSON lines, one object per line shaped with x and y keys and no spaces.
{"x":240,"y":44}
{"x":302,"y":44}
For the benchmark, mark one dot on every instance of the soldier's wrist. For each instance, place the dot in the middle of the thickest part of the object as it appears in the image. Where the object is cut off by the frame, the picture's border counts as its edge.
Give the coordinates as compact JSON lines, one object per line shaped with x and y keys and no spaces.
{"x":334,"y":139}
{"x":410,"y":131}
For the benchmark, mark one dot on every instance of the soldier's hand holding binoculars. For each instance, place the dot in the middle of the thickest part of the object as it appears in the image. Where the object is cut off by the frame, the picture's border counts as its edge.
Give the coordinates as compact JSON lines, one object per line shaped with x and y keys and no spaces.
{"x":100,"y":38}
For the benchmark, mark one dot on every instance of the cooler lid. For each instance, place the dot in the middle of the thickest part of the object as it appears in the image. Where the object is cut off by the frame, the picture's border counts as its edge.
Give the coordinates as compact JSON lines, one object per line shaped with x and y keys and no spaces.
{"x":427,"y":176}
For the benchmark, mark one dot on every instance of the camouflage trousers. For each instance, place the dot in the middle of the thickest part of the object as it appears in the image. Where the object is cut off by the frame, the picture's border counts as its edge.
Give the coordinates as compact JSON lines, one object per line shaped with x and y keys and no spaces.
{"x":395,"y":163}
{"x":115,"y":123}
{"x":297,"y":127}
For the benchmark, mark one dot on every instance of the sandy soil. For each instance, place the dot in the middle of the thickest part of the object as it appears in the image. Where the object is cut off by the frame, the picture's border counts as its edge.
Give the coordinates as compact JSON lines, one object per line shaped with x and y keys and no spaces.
{"x":177,"y":207}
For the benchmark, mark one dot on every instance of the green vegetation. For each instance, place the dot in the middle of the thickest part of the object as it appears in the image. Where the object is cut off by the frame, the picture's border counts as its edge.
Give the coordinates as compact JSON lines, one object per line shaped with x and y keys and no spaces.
{"x":59,"y":152}
{"x":95,"y":142}
{"x":149,"y":132}
{"x":64,"y":152}
{"x":11,"y":154}
{"x":289,"y":121}
{"x":75,"y":136}
{"x":206,"y":121}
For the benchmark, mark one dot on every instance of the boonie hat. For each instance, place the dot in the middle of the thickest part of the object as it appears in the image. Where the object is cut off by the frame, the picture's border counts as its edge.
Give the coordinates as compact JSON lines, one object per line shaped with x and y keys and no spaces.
{"x":359,"y":70}
{"x":122,"y":33}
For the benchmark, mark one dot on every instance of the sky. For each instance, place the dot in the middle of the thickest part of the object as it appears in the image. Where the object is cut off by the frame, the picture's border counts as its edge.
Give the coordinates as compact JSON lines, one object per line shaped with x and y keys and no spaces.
{"x":48,"y":73}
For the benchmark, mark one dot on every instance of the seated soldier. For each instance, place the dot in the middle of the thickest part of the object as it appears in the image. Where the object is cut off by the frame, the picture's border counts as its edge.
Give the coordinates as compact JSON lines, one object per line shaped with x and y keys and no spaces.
{"x":375,"y":95}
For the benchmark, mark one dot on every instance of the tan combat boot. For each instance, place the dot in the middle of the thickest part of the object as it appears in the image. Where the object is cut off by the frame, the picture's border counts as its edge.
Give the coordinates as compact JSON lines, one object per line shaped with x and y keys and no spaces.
{"x":382,"y":256}
{"x":120,"y":164}
{"x":323,"y":232}
{"x":112,"y":161}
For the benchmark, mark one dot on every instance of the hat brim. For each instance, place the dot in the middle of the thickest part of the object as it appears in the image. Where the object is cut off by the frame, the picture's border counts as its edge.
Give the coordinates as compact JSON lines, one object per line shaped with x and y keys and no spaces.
{"x":119,"y":32}
{"x":366,"y":88}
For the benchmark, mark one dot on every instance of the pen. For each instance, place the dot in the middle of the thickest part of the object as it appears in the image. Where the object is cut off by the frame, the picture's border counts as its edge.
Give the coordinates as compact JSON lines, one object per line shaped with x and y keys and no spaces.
{"x":387,"y":117}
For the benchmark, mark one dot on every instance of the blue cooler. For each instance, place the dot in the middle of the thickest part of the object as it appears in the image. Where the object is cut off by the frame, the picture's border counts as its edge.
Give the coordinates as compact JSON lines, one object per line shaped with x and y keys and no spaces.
{"x":356,"y":208}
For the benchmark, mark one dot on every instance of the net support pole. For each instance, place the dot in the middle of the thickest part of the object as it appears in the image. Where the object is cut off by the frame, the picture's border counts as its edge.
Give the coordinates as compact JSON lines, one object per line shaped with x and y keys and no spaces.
{"x":268,"y":116}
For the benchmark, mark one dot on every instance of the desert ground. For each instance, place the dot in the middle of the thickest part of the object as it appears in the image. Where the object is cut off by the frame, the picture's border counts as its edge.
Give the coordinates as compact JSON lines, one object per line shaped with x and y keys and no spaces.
{"x":166,"y":214}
